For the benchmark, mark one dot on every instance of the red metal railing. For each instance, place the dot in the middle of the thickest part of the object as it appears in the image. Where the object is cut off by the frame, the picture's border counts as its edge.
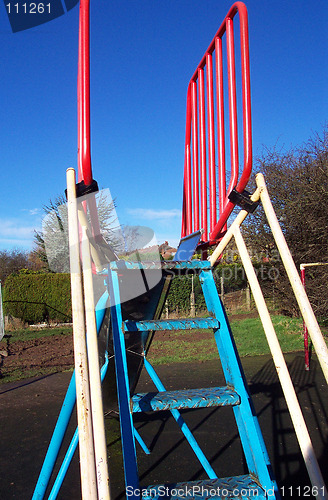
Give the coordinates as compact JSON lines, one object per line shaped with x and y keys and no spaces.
{"x":83,"y":96}
{"x":83,"y":111}
{"x":205,"y":198}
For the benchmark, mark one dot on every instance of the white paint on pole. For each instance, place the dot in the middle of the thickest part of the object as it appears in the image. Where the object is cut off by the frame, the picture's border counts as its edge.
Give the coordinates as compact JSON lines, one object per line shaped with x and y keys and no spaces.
{"x":86,"y":447}
{"x":99,"y":435}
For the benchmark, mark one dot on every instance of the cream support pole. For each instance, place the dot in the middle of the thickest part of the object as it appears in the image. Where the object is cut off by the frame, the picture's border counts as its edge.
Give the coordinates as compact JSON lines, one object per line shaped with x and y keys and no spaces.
{"x":282,"y":370}
{"x":294,"y":278}
{"x":84,"y":222}
{"x":229,"y":234}
{"x":99,"y":435}
{"x":86,"y":448}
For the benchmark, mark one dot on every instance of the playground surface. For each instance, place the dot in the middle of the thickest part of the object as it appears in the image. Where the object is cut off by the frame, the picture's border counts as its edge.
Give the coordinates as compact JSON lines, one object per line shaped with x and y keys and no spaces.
{"x":29,"y":410}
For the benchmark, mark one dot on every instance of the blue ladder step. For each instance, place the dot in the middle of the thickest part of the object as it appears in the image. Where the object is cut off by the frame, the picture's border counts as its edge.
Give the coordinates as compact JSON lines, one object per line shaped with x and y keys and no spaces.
{"x":172,"y":324}
{"x":187,"y":398}
{"x":238,"y":487}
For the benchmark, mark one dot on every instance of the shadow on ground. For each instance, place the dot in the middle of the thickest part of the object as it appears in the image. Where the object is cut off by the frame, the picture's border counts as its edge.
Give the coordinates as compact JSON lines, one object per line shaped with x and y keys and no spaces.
{"x":28,"y":413}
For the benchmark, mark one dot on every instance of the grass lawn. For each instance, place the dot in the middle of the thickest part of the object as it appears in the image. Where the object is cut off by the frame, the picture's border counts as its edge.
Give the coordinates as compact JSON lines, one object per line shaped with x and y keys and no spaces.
{"x":248,"y":334}
{"x":24,"y":334}
{"x":167,"y":347}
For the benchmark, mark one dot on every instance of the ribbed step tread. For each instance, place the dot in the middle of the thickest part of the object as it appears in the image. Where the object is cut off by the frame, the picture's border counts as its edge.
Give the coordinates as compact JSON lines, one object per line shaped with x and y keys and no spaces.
{"x":187,"y":398}
{"x":237,"y":488}
{"x":172,"y":324}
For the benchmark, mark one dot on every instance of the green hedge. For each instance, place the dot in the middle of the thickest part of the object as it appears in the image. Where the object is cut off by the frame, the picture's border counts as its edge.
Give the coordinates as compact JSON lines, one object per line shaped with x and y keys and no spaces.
{"x":181,"y":286}
{"x":38,"y":297}
{"x":234,"y":278}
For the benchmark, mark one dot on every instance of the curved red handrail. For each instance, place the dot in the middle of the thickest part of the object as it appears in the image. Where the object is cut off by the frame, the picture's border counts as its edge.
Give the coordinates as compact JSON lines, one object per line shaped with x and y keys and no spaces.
{"x":200,"y":167}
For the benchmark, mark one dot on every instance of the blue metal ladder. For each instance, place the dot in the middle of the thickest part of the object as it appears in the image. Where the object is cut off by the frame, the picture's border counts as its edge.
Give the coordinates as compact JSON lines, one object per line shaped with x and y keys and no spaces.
{"x":259,"y":482}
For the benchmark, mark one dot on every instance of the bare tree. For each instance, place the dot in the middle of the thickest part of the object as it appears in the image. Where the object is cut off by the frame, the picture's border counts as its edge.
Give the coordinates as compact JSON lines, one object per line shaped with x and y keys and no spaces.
{"x":297,"y":181}
{"x":12,"y":261}
{"x":51,"y":244}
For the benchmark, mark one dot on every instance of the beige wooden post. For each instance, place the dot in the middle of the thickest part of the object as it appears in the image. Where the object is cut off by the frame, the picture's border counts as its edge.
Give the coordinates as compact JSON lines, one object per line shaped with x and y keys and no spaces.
{"x":294,"y":278}
{"x":99,"y":435}
{"x":86,"y":448}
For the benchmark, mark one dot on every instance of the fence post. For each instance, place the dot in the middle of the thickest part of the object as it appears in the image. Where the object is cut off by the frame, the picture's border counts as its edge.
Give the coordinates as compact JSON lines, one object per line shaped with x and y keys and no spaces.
{"x":248,"y":297}
{"x":192,"y":299}
{"x":2,"y":325}
{"x":222,"y":289}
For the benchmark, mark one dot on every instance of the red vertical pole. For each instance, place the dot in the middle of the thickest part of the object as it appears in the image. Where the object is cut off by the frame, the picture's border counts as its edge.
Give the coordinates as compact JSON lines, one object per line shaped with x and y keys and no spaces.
{"x":305,"y":330}
{"x":220,"y":122}
{"x":232,"y":104}
{"x":211,"y":138}
{"x":187,"y":189}
{"x":187,"y":218}
{"x":83,"y":97}
{"x":202,"y":135}
{"x":83,"y":110}
{"x":246,"y":93}
{"x":194,"y":111}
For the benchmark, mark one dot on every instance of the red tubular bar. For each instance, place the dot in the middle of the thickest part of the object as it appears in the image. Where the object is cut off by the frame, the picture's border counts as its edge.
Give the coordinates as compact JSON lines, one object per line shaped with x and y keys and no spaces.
{"x":202,"y":110}
{"x":232,"y":104}
{"x":202,"y":126}
{"x":83,"y":111}
{"x":220,"y":121}
{"x":187,"y":189}
{"x":83,"y":97}
{"x":211,"y":140}
{"x":195,"y":155}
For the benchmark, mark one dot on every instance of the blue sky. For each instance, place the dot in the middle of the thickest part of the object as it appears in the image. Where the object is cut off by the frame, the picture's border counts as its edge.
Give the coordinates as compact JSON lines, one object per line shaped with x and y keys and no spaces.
{"x":143,"y":55}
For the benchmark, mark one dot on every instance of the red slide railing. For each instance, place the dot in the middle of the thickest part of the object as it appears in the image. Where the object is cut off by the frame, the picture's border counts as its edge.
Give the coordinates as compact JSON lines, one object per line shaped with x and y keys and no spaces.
{"x":83,"y":112}
{"x":83,"y":96}
{"x":205,"y":197}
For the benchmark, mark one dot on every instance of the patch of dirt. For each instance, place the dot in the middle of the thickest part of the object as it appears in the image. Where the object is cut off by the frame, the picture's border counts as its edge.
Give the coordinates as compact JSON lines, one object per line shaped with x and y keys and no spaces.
{"x":241,"y":316}
{"x":53,"y":353}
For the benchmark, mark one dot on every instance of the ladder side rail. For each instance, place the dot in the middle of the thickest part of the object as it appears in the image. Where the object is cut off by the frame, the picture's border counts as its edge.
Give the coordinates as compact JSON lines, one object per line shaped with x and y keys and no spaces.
{"x":201,"y":157}
{"x":123,"y":388}
{"x":250,"y":433}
